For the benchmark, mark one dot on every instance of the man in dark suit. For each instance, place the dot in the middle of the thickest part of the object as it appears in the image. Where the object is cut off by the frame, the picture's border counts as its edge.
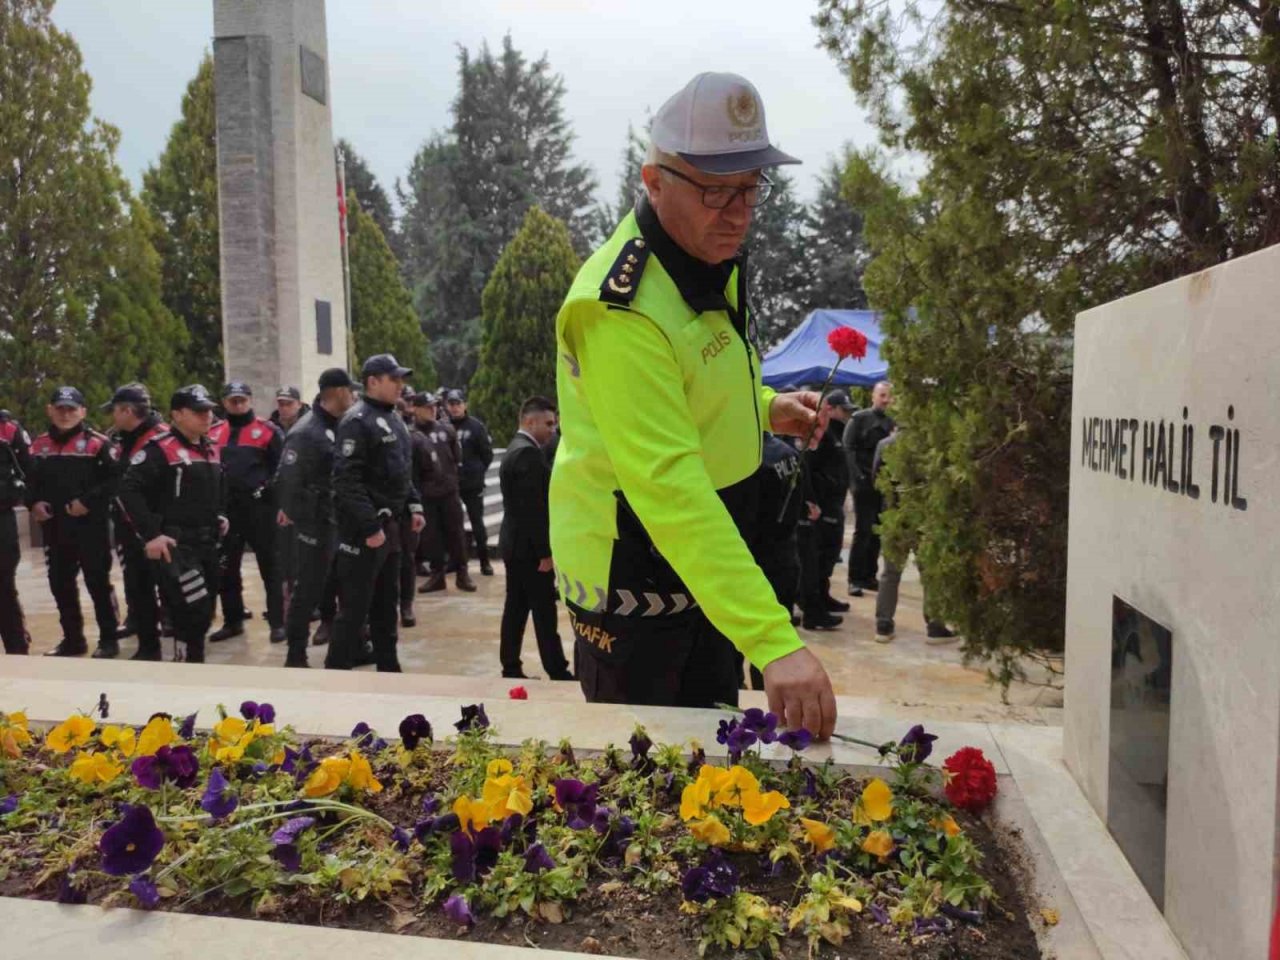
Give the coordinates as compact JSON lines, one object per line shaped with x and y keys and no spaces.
{"x":525,"y":542}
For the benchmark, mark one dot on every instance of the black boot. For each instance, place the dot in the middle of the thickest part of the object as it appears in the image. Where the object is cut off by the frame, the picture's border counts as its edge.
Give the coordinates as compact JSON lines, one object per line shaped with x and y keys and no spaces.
{"x":278,"y":635}
{"x":465,"y":583}
{"x":229,"y":630}
{"x":148,"y":653}
{"x":407,"y":619}
{"x":69,"y":648}
{"x":834,"y":605}
{"x":821,"y":620}
{"x":434,"y":584}
{"x":486,"y":568}
{"x":106,"y":650}
{"x":323,"y":633}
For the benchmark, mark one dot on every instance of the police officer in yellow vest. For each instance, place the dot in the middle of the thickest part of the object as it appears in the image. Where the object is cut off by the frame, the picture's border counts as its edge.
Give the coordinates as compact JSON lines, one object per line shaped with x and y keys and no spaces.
{"x":662,"y":422}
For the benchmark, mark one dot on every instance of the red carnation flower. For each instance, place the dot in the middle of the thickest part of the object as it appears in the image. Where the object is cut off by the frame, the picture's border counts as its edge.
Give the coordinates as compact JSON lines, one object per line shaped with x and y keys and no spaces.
{"x":518,"y":693}
{"x":970,"y":779}
{"x":847,"y":342}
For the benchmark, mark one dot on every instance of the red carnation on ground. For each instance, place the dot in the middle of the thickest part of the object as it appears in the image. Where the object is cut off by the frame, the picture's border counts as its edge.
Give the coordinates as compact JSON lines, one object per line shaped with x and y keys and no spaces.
{"x":847,"y":342}
{"x":518,"y":693}
{"x":970,"y":779}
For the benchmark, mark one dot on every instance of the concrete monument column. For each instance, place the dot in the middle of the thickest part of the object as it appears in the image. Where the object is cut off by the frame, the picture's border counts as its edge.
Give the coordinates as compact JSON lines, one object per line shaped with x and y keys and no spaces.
{"x":283,"y":311}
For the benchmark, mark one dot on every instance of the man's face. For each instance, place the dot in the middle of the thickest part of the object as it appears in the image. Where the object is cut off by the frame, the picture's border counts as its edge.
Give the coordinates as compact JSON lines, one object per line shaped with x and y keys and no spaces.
{"x":193,"y":423}
{"x":288,"y":408}
{"x":384,"y":388}
{"x":541,"y":425}
{"x":124,"y":416}
{"x":712,"y":236}
{"x":838,"y":413}
{"x":237,"y":405}
{"x":426,"y":413}
{"x":65,"y":416}
{"x":882,"y":396}
{"x":457,"y":408}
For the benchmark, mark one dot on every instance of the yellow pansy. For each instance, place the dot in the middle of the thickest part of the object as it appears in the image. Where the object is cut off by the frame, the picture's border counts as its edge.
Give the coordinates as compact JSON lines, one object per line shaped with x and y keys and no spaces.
{"x":123,"y":739}
{"x":819,"y":835}
{"x":878,"y":843}
{"x":71,"y":732}
{"x":230,"y":729}
{"x":156,"y":734}
{"x":947,"y":824}
{"x":704,"y":793}
{"x":499,"y":767}
{"x":507,"y":794}
{"x":231,"y":753}
{"x":361,"y":775}
{"x":91,"y":767}
{"x":875,"y":804}
{"x":710,"y":830}
{"x":736,"y":783}
{"x":262,"y":729}
{"x":758,"y":808}
{"x":13,"y":734}
{"x":473,"y":815}
{"x":327,"y":777}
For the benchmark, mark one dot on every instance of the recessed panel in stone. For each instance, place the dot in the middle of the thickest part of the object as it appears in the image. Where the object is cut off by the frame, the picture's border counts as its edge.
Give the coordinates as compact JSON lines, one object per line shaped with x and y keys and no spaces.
{"x":313,"y":84}
{"x":324,"y":327}
{"x":1137,"y":795}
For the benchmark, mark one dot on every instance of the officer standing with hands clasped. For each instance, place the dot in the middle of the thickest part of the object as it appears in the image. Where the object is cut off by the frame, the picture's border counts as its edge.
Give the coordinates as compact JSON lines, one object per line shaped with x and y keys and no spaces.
{"x":250,"y":449}
{"x":653,"y":495}
{"x":136,"y":425}
{"x":174,"y":496}
{"x":15,"y":468}
{"x":72,"y":481}
{"x":477,"y":454}
{"x":373,"y":492}
{"x":304,"y":491}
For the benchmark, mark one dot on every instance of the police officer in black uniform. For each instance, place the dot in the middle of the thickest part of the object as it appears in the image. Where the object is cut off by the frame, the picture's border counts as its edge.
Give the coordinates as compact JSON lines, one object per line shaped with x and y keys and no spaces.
{"x":15,"y":468}
{"x":72,"y":481}
{"x":174,"y":495}
{"x":373,"y":493}
{"x":136,"y":425}
{"x":477,"y":454}
{"x":831,"y":486}
{"x":250,"y":449}
{"x":304,"y":492}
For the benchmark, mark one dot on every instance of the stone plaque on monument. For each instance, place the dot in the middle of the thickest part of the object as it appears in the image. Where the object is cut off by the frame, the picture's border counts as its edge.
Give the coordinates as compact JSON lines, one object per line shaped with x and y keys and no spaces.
{"x":1175,"y":510}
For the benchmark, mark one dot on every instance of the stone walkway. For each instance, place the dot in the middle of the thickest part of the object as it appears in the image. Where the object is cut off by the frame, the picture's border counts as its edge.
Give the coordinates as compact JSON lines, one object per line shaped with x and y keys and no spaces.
{"x":457,"y":635}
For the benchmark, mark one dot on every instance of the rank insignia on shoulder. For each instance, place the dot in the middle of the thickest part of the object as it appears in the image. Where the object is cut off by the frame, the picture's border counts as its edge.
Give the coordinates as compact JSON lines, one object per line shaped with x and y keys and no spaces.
{"x":624,"y":276}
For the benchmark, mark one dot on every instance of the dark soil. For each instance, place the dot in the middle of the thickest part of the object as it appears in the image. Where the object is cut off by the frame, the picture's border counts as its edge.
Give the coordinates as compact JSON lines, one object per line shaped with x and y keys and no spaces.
{"x":611,"y":917}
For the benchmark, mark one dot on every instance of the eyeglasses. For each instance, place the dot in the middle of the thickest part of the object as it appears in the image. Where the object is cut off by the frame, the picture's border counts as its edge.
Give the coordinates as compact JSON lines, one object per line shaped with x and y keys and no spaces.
{"x":717,"y":198}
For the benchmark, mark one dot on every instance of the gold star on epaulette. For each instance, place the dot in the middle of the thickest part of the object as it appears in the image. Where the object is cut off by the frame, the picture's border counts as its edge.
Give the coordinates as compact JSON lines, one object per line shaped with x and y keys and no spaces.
{"x":624,"y":276}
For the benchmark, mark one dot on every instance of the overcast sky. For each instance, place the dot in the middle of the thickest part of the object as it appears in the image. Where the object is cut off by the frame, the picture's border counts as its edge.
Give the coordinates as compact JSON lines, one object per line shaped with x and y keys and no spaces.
{"x":393,"y":69}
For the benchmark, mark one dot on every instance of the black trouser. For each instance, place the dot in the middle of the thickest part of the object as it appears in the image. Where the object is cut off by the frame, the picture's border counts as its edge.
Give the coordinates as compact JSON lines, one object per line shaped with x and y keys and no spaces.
{"x":140,"y":593}
{"x":286,"y":564}
{"x":444,"y":533}
{"x":13,"y":626}
{"x":188,"y":584}
{"x":529,"y":591}
{"x":864,"y":557}
{"x":812,"y":596}
{"x":76,"y":545}
{"x":829,"y":531}
{"x":368,"y":588}
{"x":408,"y":565}
{"x":253,"y":522}
{"x":474,"y":501}
{"x":312,"y":547}
{"x":668,"y":661}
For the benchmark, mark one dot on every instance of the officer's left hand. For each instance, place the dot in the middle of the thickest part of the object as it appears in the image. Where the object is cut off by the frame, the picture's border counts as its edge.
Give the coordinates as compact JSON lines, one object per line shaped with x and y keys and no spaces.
{"x":282,"y":519}
{"x":794,"y":415}
{"x":223,"y":526}
{"x":416,"y":522}
{"x":77,"y":509}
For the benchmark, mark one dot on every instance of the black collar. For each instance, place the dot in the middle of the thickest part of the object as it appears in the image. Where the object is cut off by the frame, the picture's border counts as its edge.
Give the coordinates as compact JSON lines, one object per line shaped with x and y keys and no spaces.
{"x":700,"y":284}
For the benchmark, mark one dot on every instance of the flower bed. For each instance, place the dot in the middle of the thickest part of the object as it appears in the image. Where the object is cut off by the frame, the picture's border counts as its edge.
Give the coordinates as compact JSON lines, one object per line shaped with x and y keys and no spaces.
{"x":647,"y":851}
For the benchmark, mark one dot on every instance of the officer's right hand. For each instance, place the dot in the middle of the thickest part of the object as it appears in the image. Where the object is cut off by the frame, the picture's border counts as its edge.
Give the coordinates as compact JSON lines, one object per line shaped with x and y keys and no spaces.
{"x":282,"y":519}
{"x":377,"y":540}
{"x":546,"y":565}
{"x":41,"y":511}
{"x":799,"y":693}
{"x":158,"y":548}
{"x":815,"y":511}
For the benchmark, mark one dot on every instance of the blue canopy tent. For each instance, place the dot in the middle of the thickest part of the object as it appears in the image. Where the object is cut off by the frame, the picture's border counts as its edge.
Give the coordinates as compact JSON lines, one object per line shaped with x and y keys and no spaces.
{"x":804,"y":357}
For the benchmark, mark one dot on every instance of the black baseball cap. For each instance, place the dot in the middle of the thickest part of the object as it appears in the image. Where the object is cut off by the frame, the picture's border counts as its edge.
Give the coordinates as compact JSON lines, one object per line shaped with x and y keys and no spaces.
{"x":128,"y":394}
{"x":384,"y":364}
{"x":237,"y":388}
{"x":67,"y":397}
{"x":192,"y":397}
{"x":839,"y":398}
{"x":289,"y":393}
{"x":455,"y":396}
{"x":424,"y":398}
{"x":335,"y":377}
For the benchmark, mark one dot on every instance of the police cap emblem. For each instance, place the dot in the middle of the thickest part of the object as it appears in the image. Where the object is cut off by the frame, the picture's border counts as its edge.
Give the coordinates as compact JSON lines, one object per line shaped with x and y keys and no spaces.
{"x":290,"y":456}
{"x":138,"y":457}
{"x":348,"y":447}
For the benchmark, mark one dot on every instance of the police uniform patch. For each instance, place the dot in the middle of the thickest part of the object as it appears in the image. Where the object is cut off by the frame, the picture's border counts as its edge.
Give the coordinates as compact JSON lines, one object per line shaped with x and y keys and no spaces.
{"x":138,"y":457}
{"x":114,"y":452}
{"x":290,"y":456}
{"x":348,"y":447}
{"x":329,"y":434}
{"x":184,"y":455}
{"x":384,"y":425}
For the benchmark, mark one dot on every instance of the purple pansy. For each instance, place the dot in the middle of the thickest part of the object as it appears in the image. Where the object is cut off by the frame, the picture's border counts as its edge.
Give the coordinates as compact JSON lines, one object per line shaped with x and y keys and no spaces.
{"x":880,"y":914}
{"x":714,"y":877}
{"x":218,"y":800}
{"x":414,"y":729}
{"x":401,"y":838}
{"x":473,"y":718}
{"x":8,"y":804}
{"x":916,"y":746}
{"x":70,"y":891}
{"x":289,"y":832}
{"x":366,"y":739}
{"x":288,"y":856}
{"x":473,"y":857}
{"x":188,"y":727}
{"x":430,"y":803}
{"x":178,"y":765}
{"x":145,"y":891}
{"x":798,"y":739}
{"x":536,"y":859}
{"x":249,"y":709}
{"x":131,"y":844}
{"x":458,"y":910}
{"x":810,"y":788}
{"x":578,"y":801}
{"x":763,"y":725}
